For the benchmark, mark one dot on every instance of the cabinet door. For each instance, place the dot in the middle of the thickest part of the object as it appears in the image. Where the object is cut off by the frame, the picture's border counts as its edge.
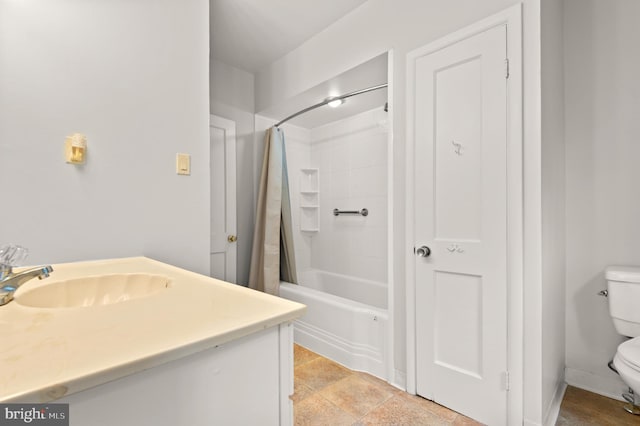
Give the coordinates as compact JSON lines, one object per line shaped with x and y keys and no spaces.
{"x":237,"y":383}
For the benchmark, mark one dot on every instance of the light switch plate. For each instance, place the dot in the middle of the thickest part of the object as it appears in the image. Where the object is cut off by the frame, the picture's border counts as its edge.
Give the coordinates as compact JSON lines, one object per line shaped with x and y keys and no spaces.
{"x":183,"y":164}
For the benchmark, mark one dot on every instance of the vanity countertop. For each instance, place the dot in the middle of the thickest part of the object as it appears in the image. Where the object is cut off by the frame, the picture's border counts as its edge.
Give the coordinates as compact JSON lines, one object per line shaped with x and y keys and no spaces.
{"x":48,"y":353}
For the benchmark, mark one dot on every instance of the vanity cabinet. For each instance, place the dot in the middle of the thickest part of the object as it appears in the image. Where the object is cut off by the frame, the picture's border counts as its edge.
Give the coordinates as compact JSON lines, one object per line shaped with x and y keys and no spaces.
{"x":198,"y":351}
{"x":244,"y":382}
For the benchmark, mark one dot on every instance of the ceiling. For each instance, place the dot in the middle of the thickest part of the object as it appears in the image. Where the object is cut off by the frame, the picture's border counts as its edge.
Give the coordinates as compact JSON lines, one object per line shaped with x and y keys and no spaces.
{"x":250,"y":34}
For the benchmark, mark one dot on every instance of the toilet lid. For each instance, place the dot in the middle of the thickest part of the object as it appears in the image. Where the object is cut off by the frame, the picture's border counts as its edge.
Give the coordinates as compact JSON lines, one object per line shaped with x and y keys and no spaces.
{"x":630,"y":352}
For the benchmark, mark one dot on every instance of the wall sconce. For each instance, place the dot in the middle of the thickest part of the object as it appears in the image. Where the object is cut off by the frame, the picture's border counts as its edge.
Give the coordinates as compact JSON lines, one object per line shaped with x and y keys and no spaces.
{"x":75,"y":148}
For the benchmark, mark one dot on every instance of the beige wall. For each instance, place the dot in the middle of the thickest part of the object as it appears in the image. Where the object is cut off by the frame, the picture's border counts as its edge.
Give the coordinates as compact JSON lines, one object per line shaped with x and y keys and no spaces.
{"x":133,"y":77}
{"x":553,"y":208}
{"x":602,"y":136}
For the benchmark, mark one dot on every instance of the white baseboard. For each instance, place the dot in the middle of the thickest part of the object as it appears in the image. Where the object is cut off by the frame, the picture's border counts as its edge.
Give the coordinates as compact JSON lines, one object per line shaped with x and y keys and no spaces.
{"x":554,"y":408}
{"x":526,"y":422}
{"x":611,"y":387}
{"x":399,"y":380}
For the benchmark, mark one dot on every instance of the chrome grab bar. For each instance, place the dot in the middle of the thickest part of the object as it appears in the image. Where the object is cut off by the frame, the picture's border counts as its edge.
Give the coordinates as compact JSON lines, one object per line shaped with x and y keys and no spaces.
{"x":363,"y":212}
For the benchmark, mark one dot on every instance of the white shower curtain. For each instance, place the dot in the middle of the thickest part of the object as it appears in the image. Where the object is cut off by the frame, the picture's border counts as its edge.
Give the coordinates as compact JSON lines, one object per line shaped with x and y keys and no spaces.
{"x":272,"y":256}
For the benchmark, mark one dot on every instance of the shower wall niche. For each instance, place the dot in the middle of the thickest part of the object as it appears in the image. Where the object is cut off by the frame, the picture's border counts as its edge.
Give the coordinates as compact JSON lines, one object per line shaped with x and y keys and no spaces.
{"x":309,"y":200}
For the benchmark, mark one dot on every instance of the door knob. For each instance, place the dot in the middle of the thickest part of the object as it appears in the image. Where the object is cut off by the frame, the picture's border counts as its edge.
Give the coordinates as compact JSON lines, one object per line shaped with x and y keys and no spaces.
{"x":232,"y":238}
{"x":423,"y":251}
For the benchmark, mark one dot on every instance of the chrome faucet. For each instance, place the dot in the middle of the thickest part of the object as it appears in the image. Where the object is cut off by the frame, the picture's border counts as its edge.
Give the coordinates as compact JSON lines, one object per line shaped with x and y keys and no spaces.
{"x":10,"y":281}
{"x":14,"y":280}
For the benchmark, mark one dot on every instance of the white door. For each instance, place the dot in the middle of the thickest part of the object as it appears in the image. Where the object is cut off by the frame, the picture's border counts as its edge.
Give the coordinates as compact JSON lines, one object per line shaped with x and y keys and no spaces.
{"x":460,"y":197}
{"x":222,"y":166}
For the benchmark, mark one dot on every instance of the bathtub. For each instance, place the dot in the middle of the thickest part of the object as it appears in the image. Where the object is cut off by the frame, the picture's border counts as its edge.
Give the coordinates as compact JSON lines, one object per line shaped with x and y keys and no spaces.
{"x":346,"y":319}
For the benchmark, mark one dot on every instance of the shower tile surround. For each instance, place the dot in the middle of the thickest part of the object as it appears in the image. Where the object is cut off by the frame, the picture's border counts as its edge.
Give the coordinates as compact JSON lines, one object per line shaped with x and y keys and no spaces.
{"x":351,"y":156}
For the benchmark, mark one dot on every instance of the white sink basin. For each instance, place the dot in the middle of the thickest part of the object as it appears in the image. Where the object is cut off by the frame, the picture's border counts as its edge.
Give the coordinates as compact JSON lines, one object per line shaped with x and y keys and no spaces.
{"x":96,"y":290}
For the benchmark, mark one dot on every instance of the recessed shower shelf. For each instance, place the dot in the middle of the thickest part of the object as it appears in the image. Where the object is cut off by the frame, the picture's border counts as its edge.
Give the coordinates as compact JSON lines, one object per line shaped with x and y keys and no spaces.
{"x":309,"y":189}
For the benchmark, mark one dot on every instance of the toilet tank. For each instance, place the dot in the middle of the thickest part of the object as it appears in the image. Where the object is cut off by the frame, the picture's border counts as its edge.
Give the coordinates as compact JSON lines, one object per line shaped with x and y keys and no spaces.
{"x":623,"y":284}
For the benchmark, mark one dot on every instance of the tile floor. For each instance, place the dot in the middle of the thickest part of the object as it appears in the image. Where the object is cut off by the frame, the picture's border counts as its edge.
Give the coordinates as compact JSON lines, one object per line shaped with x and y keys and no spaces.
{"x":328,"y":394}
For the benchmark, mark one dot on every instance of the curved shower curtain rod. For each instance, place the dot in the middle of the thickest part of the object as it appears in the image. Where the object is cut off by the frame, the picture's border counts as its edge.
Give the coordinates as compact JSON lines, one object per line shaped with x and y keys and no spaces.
{"x":331,"y":99}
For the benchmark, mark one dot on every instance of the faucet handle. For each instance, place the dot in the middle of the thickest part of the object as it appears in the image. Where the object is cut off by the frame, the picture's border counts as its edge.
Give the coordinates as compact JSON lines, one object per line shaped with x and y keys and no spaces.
{"x":12,"y":255}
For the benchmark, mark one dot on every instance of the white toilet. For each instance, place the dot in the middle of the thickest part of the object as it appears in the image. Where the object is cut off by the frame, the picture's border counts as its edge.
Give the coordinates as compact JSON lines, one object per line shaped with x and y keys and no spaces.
{"x":623,"y":285}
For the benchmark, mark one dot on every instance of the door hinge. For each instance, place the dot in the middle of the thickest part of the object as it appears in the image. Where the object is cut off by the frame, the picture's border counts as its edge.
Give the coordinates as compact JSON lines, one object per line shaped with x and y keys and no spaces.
{"x":505,"y":380}
{"x":506,"y":68}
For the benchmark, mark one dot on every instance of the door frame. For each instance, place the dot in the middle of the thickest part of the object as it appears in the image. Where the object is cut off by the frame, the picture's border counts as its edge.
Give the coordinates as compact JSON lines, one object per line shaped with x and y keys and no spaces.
{"x":230,"y":128}
{"x":512,"y":18}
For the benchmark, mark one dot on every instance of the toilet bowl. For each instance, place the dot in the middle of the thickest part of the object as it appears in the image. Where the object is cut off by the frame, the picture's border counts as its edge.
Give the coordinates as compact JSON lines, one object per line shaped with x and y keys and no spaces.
{"x":627,"y":362}
{"x":623,"y":291}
